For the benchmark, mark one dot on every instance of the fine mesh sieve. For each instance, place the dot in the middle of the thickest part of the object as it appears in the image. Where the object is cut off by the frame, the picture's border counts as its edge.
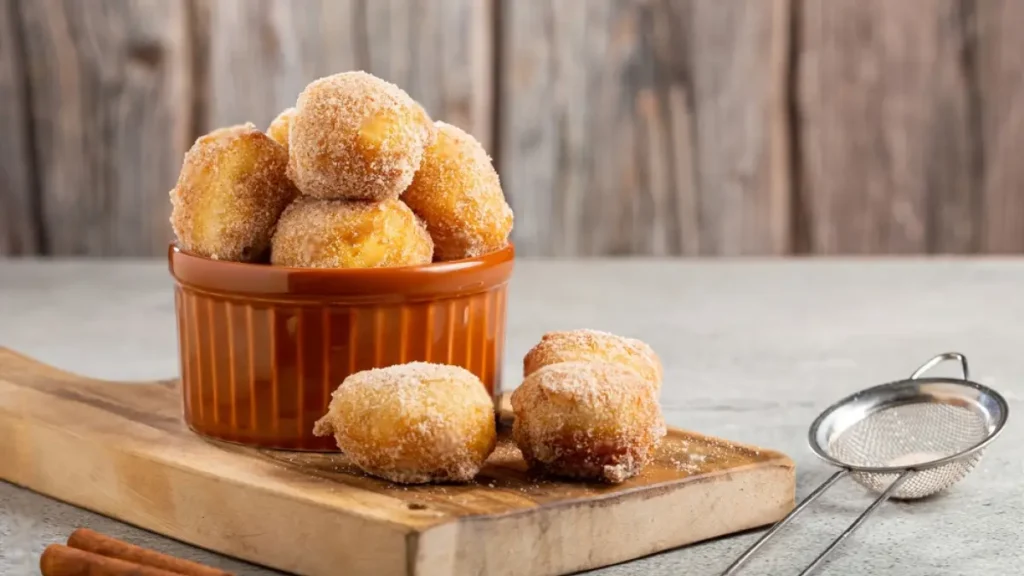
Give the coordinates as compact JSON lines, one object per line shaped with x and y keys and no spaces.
{"x":905,"y":440}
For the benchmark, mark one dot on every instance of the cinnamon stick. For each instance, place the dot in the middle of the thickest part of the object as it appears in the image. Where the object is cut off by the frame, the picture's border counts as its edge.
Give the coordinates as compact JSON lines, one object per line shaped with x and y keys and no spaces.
{"x":103,"y":545}
{"x":61,"y":560}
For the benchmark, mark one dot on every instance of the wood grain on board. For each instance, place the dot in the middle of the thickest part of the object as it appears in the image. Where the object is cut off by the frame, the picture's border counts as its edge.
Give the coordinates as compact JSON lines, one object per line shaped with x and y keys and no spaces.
{"x":262,"y":53}
{"x":999,"y":62}
{"x":885,"y":112}
{"x":19,"y":233}
{"x":109,"y":86}
{"x":122,"y":450}
{"x":645,"y":127}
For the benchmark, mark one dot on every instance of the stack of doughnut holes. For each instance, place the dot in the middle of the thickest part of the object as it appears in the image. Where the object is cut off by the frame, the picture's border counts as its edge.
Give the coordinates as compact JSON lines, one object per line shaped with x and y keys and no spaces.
{"x":588,"y":406}
{"x":355,"y":175}
{"x":587,"y":409}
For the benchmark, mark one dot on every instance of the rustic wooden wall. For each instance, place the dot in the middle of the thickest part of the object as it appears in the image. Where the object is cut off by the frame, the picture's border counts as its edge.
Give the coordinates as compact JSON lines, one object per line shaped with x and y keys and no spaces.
{"x":620,"y":127}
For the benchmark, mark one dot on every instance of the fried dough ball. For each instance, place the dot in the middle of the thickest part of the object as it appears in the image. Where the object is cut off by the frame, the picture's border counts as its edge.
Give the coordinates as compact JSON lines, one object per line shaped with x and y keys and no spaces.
{"x":279,"y":128}
{"x":458,"y":194}
{"x":230,"y":192}
{"x":587,"y":420}
{"x":413,"y":423}
{"x":357,"y":137}
{"x":589,"y":345}
{"x":315,"y":233}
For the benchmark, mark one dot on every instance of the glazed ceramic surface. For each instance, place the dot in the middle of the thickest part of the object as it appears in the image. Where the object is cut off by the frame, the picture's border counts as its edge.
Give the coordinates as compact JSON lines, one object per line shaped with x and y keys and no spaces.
{"x":262,"y":347}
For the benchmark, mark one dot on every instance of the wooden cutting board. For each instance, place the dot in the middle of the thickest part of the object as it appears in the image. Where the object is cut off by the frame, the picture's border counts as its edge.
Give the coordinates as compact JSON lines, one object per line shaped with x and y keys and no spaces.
{"x":122,"y":450}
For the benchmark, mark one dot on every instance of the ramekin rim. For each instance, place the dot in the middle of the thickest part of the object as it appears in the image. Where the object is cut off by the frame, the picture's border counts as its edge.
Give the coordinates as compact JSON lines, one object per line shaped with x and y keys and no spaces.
{"x":489,"y":259}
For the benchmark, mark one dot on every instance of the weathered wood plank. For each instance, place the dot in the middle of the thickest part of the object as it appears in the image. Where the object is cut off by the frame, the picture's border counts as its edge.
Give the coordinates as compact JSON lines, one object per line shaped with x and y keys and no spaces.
{"x":628,"y":127}
{"x":1000,"y":73}
{"x":884,"y":110}
{"x":110,"y":89}
{"x":440,"y":51}
{"x":645,"y":127}
{"x":262,"y":53}
{"x":18,"y":226}
{"x":740,"y":71}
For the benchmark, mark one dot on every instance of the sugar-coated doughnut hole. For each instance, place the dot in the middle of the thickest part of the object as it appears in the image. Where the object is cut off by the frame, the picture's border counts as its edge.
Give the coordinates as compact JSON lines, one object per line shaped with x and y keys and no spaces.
{"x":458,"y":194}
{"x":587,"y":420}
{"x":231,"y":189}
{"x":413,"y":423}
{"x":355,"y":136}
{"x":280,"y":127}
{"x":594,"y":345}
{"x":314,"y":233}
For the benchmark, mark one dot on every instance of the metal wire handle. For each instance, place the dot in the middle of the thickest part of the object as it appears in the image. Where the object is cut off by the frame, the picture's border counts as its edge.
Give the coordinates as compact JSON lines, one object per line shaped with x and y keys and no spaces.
{"x":839,"y":475}
{"x":940,"y":359}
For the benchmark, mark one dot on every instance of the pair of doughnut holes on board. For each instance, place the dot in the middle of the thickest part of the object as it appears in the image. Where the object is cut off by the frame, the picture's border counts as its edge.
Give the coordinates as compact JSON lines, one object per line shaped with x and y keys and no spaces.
{"x":583,"y":412}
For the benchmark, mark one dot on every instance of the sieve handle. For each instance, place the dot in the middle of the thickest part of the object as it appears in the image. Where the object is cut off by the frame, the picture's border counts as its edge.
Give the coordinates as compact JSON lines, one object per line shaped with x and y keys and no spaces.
{"x":860,"y":519}
{"x":940,"y":359}
{"x":778,"y":525}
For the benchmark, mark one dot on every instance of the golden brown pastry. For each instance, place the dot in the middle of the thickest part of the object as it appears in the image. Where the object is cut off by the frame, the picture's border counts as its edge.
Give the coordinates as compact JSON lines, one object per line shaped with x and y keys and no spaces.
{"x":279,"y":127}
{"x":587,"y":420}
{"x":413,"y":423}
{"x":356,"y":137}
{"x":230,"y":192}
{"x":458,"y":194}
{"x":316,"y":233}
{"x":564,"y":346}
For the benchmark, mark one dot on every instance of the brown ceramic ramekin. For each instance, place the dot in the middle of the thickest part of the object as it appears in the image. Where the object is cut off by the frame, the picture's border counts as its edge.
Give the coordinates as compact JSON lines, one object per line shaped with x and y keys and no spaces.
{"x":262,"y":347}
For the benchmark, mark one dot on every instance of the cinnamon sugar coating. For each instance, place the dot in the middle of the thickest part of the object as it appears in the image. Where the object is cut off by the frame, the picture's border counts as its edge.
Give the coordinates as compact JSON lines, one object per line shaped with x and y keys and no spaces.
{"x":569,"y":345}
{"x":458,"y":194}
{"x":587,"y":420}
{"x":231,"y":189}
{"x":357,"y":137}
{"x":316,"y":233}
{"x":281,"y":126}
{"x":413,"y":423}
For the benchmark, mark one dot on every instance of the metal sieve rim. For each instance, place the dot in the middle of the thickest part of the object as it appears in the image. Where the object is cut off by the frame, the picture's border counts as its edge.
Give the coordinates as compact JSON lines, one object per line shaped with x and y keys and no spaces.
{"x":821,"y":452}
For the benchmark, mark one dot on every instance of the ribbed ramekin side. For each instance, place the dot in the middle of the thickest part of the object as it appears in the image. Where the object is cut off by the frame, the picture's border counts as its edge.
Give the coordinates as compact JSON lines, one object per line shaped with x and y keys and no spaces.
{"x":260,"y":372}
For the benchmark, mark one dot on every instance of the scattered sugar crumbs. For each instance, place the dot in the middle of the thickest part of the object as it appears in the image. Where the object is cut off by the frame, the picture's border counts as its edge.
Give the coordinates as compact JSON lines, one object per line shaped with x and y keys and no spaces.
{"x":695,"y":457}
{"x":506,"y":454}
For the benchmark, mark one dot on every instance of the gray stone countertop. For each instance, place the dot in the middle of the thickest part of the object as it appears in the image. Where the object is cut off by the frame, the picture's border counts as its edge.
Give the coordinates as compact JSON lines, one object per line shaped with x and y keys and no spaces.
{"x":753,"y":351}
